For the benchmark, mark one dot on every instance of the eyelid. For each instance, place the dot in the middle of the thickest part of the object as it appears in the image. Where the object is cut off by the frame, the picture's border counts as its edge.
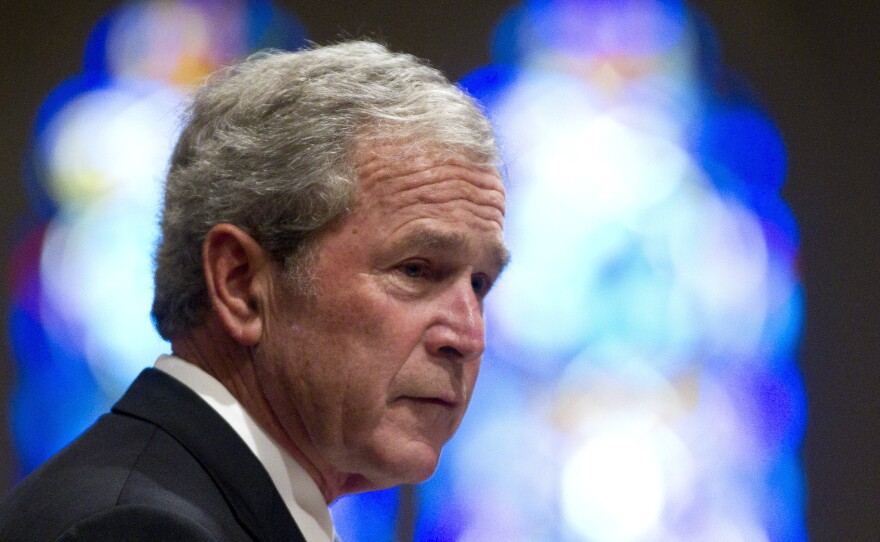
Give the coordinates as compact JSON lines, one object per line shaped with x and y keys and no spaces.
{"x":488,"y":282}
{"x":434,"y":272}
{"x":423,"y":264}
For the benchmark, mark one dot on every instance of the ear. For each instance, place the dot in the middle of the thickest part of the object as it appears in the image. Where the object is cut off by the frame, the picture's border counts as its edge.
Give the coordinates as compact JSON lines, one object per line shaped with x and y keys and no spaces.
{"x":236,"y":269}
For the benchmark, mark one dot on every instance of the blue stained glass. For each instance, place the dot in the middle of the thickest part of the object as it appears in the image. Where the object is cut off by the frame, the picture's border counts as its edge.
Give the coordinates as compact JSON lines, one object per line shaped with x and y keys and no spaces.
{"x":747,"y":148}
{"x":367,"y":517}
{"x":55,"y":397}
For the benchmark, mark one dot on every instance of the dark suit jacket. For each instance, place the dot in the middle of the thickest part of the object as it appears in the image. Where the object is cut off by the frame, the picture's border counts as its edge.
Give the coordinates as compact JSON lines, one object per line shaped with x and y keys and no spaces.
{"x":162,"y":465}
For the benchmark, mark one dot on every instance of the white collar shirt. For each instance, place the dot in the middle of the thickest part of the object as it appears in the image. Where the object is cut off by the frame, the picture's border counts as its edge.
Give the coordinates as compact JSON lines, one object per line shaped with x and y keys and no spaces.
{"x":298,"y":490}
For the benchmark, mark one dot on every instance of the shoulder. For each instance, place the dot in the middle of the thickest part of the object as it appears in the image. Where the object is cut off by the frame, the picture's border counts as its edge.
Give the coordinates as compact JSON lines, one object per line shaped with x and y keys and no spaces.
{"x":123,"y":475}
{"x":135,"y":523}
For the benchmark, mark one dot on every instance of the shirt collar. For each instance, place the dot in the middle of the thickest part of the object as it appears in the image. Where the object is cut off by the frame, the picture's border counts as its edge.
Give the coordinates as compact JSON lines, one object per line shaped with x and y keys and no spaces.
{"x":298,"y":490}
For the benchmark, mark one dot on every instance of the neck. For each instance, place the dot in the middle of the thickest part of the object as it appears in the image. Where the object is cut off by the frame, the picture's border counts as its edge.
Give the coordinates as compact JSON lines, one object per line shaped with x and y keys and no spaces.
{"x":233,"y":366}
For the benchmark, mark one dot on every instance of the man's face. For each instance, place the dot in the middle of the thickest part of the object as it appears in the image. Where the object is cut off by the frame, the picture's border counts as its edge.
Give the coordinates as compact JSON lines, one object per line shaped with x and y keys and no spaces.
{"x":372,"y":372}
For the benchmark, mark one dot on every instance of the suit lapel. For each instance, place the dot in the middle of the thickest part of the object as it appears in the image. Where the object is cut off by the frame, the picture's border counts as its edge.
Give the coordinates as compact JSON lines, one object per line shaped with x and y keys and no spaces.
{"x":160,"y":399}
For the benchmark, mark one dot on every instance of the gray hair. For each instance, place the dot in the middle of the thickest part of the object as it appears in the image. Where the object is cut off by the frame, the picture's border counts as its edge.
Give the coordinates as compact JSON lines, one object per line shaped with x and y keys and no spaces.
{"x":269,"y":146}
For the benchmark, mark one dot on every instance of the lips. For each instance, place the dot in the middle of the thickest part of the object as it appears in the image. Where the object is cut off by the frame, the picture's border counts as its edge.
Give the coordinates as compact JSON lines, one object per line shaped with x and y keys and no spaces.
{"x":438,"y":401}
{"x":432,"y":400}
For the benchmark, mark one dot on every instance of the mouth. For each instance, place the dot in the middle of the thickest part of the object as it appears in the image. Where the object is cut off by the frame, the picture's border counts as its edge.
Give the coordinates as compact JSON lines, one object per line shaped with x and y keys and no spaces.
{"x":437,"y":401}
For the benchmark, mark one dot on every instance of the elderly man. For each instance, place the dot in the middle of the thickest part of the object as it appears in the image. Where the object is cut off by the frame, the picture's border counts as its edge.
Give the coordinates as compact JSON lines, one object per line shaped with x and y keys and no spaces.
{"x":332,"y":222}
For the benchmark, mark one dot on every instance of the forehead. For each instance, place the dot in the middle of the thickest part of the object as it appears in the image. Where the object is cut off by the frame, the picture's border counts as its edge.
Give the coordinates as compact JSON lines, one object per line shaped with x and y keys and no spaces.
{"x":407,"y":198}
{"x":403,"y":175}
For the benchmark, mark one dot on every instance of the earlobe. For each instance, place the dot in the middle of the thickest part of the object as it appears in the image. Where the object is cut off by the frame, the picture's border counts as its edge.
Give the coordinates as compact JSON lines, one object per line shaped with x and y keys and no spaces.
{"x":235,"y":266}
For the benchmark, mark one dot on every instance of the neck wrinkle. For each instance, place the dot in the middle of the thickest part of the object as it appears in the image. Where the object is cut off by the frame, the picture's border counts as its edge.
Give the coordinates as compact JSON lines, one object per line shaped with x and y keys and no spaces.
{"x":233,"y":366}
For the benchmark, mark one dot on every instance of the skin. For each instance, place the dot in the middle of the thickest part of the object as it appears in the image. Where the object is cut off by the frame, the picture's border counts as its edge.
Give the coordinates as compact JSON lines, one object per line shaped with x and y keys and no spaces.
{"x":365,"y":378}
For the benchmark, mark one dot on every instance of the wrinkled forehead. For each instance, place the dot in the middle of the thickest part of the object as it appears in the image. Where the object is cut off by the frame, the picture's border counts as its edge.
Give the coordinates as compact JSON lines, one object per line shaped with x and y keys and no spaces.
{"x":387,"y":165}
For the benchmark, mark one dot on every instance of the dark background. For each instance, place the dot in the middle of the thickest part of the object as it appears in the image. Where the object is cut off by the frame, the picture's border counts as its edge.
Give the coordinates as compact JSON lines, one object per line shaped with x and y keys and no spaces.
{"x":814,"y":68}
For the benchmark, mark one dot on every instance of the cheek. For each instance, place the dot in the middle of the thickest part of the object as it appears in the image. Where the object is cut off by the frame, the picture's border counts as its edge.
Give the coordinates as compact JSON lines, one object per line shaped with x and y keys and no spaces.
{"x":378,"y":332}
{"x":355,"y":354}
{"x":471,"y":371}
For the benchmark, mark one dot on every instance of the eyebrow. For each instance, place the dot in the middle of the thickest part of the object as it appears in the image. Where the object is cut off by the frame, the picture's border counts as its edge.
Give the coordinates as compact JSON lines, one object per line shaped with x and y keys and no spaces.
{"x":452,"y":242}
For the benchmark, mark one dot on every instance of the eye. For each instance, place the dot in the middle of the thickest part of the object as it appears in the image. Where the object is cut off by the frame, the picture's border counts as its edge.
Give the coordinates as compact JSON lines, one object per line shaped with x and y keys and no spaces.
{"x":414,"y":270}
{"x":481,"y":284}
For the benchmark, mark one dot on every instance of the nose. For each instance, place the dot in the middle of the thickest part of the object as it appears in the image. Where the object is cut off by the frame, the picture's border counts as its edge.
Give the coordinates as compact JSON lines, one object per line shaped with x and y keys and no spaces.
{"x":457,"y":331}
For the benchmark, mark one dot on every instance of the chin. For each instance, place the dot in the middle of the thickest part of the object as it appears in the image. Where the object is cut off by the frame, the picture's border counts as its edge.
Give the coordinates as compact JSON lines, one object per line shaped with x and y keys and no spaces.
{"x":421,"y":472}
{"x":359,"y":483}
{"x":409,"y":463}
